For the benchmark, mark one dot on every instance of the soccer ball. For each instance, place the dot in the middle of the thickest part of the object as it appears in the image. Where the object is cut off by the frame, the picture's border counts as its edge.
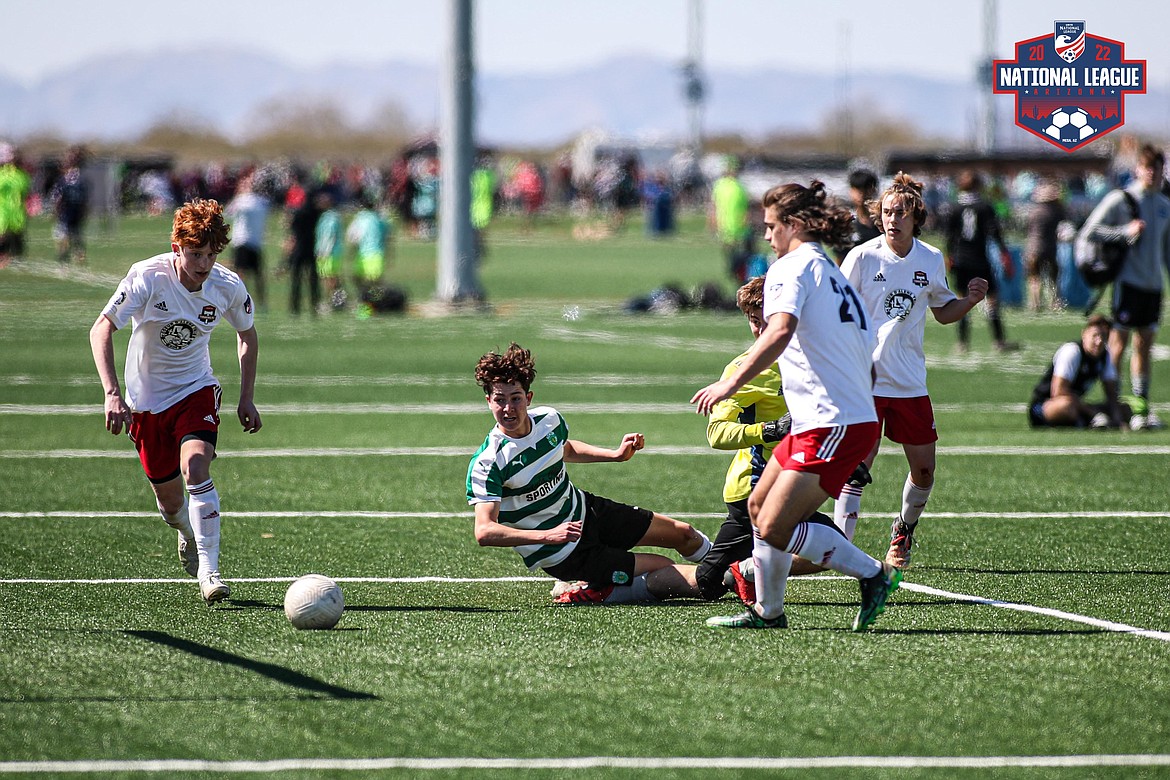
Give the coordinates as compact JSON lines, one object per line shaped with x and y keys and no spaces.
{"x":314,"y":601}
{"x":1069,"y":125}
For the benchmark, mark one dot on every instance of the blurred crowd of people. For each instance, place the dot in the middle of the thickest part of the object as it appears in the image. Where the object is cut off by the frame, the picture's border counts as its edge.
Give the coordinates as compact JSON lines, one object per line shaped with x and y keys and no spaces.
{"x":1033,"y":213}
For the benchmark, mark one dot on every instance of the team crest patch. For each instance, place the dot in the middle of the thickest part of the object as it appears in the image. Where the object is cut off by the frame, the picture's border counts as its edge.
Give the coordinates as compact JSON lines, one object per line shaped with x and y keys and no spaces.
{"x":920,"y":279}
{"x":207,"y":316}
{"x":1070,"y":86}
{"x":248,"y":305}
{"x":178,"y":334}
{"x":898,"y":304}
{"x":552,"y":438}
{"x":121,"y":298}
{"x":621,"y":578}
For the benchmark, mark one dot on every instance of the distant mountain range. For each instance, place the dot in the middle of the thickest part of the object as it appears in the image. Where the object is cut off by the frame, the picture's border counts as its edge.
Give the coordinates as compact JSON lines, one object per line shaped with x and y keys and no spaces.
{"x":117,"y":98}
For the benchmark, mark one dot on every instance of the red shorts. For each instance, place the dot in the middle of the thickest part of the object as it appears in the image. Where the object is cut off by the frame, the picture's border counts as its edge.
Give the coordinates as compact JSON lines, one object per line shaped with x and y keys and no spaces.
{"x":832,"y":453}
{"x":159,"y":437}
{"x":907,"y":420}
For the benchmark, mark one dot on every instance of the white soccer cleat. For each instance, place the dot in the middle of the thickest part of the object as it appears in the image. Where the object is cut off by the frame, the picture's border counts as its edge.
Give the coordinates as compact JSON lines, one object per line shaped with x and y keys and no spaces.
{"x":213,"y":588}
{"x":560,"y":586}
{"x":188,"y":555}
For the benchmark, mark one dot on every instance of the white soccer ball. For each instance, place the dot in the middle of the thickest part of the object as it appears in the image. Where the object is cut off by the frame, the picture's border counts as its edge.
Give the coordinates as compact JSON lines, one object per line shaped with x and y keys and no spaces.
{"x":1069,"y":125}
{"x":314,"y":601}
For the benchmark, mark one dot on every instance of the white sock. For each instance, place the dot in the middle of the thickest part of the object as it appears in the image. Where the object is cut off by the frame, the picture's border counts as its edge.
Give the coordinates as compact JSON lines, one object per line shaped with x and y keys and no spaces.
{"x":771,"y":566}
{"x":704,"y":548}
{"x":914,"y":501}
{"x":846,"y":510}
{"x":179,"y":521}
{"x":638,"y":590}
{"x":203,"y":509}
{"x":825,"y":547}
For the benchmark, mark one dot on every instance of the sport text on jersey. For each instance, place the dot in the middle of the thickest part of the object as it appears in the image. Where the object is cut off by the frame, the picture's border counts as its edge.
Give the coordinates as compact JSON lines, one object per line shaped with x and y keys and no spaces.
{"x":1070,"y":86}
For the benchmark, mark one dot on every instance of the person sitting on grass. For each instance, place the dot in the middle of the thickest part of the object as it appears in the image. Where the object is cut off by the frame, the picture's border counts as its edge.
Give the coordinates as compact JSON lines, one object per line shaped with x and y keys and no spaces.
{"x":523,"y":499}
{"x":1058,"y":400}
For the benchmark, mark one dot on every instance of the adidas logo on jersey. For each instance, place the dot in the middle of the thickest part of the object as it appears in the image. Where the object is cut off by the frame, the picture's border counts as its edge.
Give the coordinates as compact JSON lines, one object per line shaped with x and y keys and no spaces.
{"x":161,"y":306}
{"x":880,"y":277}
{"x":211,"y":419}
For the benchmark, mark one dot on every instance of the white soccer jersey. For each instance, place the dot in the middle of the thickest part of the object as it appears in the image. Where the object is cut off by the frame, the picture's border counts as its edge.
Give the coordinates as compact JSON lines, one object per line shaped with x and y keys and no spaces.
{"x":527,"y":478}
{"x":897,"y":291}
{"x":168,"y":357}
{"x":826,"y":365}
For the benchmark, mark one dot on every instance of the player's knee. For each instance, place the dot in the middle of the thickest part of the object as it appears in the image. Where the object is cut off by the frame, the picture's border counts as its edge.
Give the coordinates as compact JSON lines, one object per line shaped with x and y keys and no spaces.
{"x":710,"y":582}
{"x":775,"y":531}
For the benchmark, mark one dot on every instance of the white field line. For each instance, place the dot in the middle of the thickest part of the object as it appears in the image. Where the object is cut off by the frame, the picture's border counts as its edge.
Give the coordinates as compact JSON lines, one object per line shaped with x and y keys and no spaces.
{"x":473,"y":408}
{"x":372,"y":515}
{"x":465,"y":452}
{"x":1107,"y":625}
{"x":582,"y":762}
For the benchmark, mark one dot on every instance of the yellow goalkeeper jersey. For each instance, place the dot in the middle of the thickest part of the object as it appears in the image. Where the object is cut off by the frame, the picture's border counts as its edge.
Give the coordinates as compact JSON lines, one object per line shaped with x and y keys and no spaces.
{"x":737,"y":424}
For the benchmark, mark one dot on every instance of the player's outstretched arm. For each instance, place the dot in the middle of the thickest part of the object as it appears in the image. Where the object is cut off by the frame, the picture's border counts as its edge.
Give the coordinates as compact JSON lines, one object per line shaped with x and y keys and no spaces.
{"x":771,"y":343}
{"x":581,"y":452}
{"x":101,"y":343}
{"x":955,"y":310}
{"x":489,"y":532}
{"x":247,"y":344}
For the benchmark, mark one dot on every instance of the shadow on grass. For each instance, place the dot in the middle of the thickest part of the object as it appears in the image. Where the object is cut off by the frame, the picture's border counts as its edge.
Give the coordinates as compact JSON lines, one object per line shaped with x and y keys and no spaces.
{"x":281,"y":674}
{"x":264,"y":605}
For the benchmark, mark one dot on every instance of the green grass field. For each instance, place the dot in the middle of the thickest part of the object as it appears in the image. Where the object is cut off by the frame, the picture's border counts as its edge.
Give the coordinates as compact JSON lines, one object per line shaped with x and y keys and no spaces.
{"x":1031,"y":640}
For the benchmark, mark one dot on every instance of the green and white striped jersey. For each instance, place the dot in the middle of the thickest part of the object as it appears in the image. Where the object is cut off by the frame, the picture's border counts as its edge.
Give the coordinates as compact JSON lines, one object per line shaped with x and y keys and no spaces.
{"x":527,"y":478}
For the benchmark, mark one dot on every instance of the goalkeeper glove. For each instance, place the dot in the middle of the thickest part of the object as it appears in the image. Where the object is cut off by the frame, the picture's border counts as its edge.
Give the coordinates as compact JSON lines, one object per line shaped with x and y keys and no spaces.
{"x":860,"y":476}
{"x":775,"y":430}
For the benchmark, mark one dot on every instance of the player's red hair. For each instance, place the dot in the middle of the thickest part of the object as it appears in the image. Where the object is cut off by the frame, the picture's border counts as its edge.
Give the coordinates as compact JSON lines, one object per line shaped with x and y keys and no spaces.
{"x":200,"y":223}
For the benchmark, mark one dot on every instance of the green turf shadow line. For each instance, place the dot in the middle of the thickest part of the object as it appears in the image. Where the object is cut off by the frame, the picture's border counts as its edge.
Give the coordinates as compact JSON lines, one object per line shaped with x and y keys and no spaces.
{"x":279,"y":673}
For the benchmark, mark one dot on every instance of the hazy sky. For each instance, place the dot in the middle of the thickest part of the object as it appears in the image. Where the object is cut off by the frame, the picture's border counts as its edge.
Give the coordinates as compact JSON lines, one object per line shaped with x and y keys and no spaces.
{"x":938,"y":37}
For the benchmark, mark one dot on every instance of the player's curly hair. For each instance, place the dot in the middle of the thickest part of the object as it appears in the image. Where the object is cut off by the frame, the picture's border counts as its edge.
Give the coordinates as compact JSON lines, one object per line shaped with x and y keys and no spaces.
{"x":515,"y":365}
{"x":824,"y":220}
{"x":200,"y":222}
{"x":751,"y":295}
{"x":905,"y":192}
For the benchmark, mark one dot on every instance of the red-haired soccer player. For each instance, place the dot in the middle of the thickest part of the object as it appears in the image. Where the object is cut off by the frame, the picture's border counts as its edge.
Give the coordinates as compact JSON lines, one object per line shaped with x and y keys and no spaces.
{"x":171,"y":404}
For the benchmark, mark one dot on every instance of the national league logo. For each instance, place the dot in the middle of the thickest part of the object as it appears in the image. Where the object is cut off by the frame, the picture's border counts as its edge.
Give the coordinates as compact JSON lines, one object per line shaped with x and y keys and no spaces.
{"x":1069,"y":40}
{"x":1070,"y":86}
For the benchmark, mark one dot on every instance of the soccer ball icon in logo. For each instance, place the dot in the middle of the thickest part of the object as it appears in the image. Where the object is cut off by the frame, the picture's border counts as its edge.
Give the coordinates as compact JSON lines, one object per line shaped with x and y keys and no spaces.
{"x":314,"y":601}
{"x":1069,"y":124}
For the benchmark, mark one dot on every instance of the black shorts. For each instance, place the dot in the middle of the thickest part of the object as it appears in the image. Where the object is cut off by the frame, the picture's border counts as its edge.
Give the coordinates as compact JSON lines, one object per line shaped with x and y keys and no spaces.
{"x":961,"y":276}
{"x":1135,"y":308}
{"x":246,"y":258}
{"x":12,"y":244}
{"x":602,"y":555}
{"x":732,"y":543}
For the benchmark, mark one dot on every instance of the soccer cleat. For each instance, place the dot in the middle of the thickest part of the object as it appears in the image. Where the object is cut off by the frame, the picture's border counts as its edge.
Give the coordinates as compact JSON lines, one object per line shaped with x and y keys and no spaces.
{"x":875,"y":591}
{"x":585,"y":593}
{"x":188,"y":556}
{"x":742,"y":587}
{"x":748,"y":619}
{"x":901,"y":540}
{"x":560,"y":586}
{"x":213,"y":588}
{"x":1154,"y":422}
{"x":1138,"y":422}
{"x":1100,"y":421}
